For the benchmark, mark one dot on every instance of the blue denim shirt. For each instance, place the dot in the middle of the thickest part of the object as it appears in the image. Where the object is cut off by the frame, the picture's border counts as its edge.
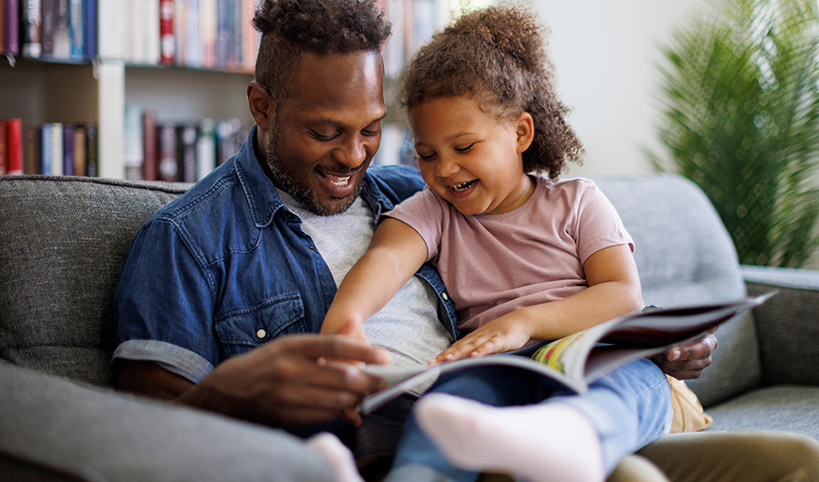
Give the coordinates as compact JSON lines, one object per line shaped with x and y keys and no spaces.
{"x":226,"y":267}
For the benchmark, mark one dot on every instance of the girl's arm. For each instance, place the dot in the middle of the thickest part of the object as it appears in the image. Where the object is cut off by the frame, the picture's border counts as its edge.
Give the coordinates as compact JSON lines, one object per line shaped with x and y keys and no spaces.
{"x":614,"y":290}
{"x":395,"y":254}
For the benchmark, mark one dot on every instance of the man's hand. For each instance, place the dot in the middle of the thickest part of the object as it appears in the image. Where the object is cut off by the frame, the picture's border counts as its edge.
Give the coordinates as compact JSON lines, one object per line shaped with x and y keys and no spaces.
{"x":290,"y":381}
{"x":297,"y":380}
{"x":687,"y":361}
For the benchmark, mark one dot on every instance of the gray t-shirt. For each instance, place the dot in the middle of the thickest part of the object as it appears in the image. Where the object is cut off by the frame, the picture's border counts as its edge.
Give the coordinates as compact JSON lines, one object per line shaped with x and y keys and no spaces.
{"x":408,"y":326}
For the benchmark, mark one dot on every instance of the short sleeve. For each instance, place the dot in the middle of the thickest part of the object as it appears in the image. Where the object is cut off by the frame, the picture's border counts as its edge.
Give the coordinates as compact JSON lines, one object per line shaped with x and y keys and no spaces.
{"x":424,"y":212}
{"x":598,"y":224}
{"x":163,"y":308}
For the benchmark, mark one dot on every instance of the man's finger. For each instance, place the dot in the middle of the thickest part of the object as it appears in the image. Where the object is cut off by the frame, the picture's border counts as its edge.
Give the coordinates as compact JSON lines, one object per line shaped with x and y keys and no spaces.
{"x":337,"y":347}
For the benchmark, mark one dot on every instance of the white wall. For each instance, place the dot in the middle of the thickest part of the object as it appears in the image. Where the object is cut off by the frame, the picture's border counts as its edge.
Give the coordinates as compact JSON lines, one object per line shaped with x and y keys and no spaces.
{"x":604,"y":52}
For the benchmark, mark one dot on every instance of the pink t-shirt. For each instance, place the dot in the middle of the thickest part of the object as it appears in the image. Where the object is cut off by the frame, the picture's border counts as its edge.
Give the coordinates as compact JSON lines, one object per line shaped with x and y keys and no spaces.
{"x":496,"y":263}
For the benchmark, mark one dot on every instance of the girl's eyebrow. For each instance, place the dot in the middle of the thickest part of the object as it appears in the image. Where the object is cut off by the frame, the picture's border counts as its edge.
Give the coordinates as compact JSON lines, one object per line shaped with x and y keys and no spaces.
{"x":451,"y":138}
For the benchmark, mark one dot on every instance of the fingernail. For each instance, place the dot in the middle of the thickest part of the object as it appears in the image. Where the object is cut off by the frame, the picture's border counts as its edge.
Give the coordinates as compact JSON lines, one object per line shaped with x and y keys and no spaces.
{"x":675,"y":353}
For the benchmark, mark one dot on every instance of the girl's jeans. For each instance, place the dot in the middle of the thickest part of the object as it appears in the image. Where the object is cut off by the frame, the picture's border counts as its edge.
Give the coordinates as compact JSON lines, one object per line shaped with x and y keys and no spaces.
{"x":630,"y":407}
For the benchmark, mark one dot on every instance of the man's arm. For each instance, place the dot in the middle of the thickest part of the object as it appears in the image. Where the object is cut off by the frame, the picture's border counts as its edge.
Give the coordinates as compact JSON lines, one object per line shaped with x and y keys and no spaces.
{"x":290,"y":381}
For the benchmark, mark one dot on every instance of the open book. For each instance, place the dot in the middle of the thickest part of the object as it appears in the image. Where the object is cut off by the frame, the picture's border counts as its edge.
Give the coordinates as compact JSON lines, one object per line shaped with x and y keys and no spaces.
{"x":576,"y":360}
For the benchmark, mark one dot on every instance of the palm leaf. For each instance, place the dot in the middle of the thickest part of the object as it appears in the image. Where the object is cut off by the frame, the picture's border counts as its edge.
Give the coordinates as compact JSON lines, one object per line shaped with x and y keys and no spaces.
{"x":740,"y":117}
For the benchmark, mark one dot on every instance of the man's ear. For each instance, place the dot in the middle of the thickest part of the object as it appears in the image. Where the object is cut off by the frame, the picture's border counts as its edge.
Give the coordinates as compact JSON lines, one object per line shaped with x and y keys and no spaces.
{"x":260,"y":105}
{"x":525,"y":130}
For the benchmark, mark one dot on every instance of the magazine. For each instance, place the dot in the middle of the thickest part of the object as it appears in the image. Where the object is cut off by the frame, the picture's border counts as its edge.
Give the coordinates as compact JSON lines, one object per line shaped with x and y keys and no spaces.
{"x":576,"y":360}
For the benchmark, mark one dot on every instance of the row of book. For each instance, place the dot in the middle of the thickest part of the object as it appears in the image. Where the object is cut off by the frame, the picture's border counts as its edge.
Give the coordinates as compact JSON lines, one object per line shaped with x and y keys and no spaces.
{"x":413,"y":24}
{"x":192,"y":33}
{"x":49,"y":29}
{"x":54,"y":148}
{"x":176,"y":151}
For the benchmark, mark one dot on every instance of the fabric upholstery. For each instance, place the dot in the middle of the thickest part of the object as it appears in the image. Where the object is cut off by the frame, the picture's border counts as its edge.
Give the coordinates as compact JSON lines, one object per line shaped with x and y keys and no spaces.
{"x":62,"y":241}
{"x":134,"y":439}
{"x":684,"y":255}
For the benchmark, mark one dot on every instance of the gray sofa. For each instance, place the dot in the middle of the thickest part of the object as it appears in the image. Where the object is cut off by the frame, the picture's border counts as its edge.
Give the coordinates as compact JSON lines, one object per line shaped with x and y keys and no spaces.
{"x":61,"y":244}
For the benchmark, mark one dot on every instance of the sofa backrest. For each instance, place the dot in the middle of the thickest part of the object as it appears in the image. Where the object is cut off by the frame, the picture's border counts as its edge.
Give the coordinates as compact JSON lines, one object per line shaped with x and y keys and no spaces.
{"x":62,"y":241}
{"x":685,"y":255}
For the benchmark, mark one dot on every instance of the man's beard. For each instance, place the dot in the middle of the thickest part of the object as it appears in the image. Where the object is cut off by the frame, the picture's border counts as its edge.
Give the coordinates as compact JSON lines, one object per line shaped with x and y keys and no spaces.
{"x":301,"y":192}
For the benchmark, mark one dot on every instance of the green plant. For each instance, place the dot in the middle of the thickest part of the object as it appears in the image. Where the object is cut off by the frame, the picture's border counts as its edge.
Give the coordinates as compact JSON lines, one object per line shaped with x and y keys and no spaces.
{"x":740,"y":117}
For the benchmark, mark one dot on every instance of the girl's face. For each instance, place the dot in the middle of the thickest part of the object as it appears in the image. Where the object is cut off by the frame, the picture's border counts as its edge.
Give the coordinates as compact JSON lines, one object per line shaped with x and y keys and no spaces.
{"x":469,"y":157}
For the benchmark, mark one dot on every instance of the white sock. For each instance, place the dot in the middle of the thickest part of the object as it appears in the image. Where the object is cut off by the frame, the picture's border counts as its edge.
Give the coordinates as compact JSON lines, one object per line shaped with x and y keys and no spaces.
{"x":340,"y":458}
{"x":539,"y":442}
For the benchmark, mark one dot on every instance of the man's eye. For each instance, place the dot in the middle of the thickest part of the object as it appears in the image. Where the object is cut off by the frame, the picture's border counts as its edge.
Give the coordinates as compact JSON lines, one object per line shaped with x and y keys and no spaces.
{"x":465,"y":149}
{"x":323,"y":137}
{"x":371,"y":132}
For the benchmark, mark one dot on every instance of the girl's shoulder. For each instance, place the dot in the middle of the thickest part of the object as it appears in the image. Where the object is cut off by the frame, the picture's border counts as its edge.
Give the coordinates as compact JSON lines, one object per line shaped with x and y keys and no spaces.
{"x":572,"y":186}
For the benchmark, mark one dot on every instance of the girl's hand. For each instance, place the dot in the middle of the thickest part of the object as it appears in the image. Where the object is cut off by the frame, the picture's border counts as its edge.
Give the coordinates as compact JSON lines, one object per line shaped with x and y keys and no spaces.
{"x":499,"y":335}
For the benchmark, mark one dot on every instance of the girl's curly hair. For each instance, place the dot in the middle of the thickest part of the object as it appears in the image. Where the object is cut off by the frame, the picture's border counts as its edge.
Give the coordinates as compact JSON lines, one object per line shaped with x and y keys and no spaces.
{"x":498,"y":56}
{"x":291,"y":27}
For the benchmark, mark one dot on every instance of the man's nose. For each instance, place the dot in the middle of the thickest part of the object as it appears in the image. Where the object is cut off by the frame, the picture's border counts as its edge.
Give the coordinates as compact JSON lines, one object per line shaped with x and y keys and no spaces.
{"x":354,"y":152}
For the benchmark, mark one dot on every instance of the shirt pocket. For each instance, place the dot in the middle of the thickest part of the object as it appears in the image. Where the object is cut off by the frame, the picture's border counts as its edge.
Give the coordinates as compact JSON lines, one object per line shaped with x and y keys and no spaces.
{"x":242,"y":330}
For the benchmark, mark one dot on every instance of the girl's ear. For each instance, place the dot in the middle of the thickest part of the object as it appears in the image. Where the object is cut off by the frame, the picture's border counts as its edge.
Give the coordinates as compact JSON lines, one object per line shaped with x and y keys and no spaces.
{"x":525,"y":130}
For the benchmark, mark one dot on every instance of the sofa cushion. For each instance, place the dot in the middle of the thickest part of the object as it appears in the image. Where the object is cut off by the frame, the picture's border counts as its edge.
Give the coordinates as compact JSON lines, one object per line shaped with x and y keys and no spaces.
{"x":54,"y":429}
{"x":783,"y":407}
{"x":62,"y":241}
{"x":684,"y":255}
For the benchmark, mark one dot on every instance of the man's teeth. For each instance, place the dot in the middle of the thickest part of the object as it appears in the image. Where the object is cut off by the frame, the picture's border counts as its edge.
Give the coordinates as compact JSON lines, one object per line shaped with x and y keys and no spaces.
{"x":339,"y":181}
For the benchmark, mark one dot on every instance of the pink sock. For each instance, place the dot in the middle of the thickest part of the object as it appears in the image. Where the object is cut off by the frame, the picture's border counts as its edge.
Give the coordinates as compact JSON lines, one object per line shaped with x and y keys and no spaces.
{"x":539,"y":442}
{"x":337,"y":454}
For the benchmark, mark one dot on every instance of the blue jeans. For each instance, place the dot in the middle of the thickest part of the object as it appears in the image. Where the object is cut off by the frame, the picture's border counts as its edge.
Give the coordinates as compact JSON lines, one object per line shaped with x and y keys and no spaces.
{"x":630,"y":408}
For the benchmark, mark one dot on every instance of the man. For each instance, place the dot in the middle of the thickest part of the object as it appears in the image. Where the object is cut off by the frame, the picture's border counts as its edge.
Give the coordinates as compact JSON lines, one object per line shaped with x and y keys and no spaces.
{"x":222,"y":290}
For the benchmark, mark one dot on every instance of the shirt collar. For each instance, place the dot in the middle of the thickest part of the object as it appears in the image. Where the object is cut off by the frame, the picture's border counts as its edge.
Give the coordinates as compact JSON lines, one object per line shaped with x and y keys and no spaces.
{"x":260,"y":192}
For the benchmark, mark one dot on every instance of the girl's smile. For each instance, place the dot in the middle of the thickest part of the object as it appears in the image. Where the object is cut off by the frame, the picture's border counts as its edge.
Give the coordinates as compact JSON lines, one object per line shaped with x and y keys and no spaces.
{"x":472,"y":158}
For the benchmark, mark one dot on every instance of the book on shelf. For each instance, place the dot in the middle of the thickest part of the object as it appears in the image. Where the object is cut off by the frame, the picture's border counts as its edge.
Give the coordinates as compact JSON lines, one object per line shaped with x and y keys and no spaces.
{"x":31,"y":151}
{"x":577,"y":360}
{"x":80,"y":151}
{"x":91,"y":157}
{"x":68,"y":150}
{"x":156,"y":149}
{"x":167,"y":153}
{"x":149,"y":163}
{"x":31,"y":25}
{"x":11,"y":136}
{"x":11,"y":29}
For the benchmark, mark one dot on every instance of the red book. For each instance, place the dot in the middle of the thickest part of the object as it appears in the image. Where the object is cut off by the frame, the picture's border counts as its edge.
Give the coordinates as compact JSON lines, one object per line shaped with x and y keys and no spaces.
{"x":14,"y":146}
{"x":167,"y":42}
{"x":149,"y":167}
{"x":2,"y":147}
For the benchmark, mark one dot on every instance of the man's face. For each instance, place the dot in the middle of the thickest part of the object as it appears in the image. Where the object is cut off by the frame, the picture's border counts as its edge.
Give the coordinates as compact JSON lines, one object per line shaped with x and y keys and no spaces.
{"x":328,"y":129}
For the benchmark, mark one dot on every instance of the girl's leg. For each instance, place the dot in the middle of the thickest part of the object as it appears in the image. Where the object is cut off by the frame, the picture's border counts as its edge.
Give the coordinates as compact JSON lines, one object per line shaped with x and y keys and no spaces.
{"x":584,"y":436}
{"x":417,"y":457}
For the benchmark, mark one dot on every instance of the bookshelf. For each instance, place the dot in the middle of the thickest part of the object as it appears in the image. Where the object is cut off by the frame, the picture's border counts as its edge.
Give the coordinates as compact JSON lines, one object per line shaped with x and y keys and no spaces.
{"x":97,"y":88}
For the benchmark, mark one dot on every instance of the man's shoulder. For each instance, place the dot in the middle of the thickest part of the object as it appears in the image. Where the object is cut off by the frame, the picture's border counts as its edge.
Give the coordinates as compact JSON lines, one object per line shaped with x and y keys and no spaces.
{"x":214,"y":192}
{"x":397,"y":182}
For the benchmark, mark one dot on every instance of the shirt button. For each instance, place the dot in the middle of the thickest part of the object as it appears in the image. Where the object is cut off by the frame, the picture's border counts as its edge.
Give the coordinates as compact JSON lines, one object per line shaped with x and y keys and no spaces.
{"x":445,"y":296}
{"x":311,"y":248}
{"x":260,"y":333}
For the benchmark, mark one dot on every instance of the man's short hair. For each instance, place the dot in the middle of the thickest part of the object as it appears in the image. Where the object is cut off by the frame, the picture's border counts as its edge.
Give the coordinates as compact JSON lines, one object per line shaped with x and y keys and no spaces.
{"x":292,"y":27}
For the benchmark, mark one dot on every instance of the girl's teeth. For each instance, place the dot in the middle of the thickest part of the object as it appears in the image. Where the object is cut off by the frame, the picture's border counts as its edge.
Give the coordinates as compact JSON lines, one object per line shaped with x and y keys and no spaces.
{"x":462,"y":186}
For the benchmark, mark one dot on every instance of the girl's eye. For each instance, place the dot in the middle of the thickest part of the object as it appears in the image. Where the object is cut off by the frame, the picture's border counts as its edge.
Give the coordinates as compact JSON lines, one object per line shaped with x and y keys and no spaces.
{"x":425,"y":157}
{"x":464,"y":149}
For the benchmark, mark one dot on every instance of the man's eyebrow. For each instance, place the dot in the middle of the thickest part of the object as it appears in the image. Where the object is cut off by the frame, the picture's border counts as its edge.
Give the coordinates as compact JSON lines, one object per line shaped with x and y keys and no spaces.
{"x":338,"y":123}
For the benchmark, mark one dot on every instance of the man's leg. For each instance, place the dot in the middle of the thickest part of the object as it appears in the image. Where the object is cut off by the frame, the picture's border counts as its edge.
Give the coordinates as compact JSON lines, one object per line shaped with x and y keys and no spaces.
{"x":749,"y":456}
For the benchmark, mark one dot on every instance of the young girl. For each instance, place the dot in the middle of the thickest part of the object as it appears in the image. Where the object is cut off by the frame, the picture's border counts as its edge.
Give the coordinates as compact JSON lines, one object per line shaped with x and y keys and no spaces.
{"x":525,"y":258}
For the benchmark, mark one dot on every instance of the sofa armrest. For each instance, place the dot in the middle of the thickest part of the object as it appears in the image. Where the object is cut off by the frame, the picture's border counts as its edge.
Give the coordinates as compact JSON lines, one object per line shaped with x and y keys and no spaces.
{"x":56,"y":429}
{"x":788,"y":324}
